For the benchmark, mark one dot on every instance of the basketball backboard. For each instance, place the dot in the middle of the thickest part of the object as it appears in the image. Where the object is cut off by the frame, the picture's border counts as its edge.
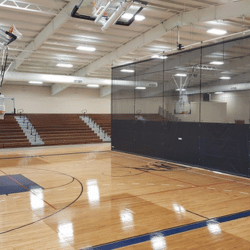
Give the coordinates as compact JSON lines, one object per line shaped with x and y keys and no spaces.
{"x":108,"y":13}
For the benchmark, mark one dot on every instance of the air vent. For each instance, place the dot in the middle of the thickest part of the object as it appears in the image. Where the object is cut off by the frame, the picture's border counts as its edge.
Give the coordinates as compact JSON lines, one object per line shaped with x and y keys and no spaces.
{"x":77,"y":81}
{"x":152,"y":85}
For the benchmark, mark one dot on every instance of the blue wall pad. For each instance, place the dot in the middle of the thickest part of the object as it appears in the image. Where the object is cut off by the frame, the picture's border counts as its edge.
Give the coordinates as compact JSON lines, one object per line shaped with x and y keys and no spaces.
{"x":16,"y":184}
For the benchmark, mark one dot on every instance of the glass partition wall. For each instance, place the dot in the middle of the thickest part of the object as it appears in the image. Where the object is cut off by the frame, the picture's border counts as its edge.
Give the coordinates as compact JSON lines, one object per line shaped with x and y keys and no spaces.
{"x":191,"y":107}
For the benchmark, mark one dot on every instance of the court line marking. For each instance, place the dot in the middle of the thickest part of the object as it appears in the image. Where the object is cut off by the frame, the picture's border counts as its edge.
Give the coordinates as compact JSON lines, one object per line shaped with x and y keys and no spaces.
{"x":35,"y":156}
{"x":170,"y":231}
{"x":10,"y":177}
{"x":243,"y":193}
{"x":191,"y":168}
{"x":56,"y":212}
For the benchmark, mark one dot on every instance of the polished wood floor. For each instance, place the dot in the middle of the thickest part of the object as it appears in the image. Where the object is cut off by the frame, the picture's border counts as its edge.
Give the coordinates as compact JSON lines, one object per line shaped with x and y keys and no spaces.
{"x":92,"y":196}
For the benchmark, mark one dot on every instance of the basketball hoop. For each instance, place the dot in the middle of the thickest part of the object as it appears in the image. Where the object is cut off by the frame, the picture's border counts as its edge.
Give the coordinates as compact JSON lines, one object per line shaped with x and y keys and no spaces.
{"x":109,"y":12}
{"x":6,"y":38}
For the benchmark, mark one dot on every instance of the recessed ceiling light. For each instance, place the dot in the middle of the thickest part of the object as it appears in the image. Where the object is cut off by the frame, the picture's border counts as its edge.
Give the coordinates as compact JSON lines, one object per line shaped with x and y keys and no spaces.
{"x":140,"y":87}
{"x":127,"y":16}
{"x":218,"y":93}
{"x":217,"y":63}
{"x":139,"y":18}
{"x":179,"y":74}
{"x":225,"y":78}
{"x":64,"y":65}
{"x":128,"y":70}
{"x":180,"y":89}
{"x":93,"y":85}
{"x":159,"y":57}
{"x":217,"y":32}
{"x":85,"y":48}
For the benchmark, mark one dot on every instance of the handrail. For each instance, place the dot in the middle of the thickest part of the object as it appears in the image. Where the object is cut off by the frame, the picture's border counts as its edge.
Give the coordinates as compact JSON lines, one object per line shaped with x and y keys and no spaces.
{"x":84,"y":111}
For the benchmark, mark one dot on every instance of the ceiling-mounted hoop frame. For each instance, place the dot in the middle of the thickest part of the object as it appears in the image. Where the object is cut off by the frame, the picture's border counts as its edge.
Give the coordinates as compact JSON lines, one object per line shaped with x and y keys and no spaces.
{"x":75,"y":14}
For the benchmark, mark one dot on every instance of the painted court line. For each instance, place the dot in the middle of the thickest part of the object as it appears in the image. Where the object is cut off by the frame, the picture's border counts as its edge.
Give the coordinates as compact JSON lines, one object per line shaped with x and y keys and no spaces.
{"x":170,"y":231}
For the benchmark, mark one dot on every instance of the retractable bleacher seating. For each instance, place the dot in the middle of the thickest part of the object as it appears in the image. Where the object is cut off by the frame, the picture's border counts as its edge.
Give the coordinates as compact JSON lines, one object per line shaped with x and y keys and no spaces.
{"x":103,"y":120}
{"x":62,"y":129}
{"x":11,"y":135}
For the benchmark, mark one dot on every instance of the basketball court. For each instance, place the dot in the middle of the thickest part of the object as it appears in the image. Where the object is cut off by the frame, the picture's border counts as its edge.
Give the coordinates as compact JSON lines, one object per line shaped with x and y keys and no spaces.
{"x":89,"y":197}
{"x":169,"y":79}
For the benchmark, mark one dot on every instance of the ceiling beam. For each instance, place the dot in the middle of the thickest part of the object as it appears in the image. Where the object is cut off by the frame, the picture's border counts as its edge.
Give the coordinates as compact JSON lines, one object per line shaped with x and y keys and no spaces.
{"x":57,"y":88}
{"x":49,"y":30}
{"x":19,"y":77}
{"x":228,"y":10}
{"x":105,"y":91}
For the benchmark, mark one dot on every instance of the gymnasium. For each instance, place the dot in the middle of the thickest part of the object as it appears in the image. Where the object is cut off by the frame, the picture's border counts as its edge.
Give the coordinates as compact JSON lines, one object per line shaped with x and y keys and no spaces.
{"x":124,"y":124}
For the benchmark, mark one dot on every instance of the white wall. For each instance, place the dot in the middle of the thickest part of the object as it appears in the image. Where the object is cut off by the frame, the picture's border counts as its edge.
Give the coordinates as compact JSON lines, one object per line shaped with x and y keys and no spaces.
{"x":37,"y":99}
{"x":237,"y":105}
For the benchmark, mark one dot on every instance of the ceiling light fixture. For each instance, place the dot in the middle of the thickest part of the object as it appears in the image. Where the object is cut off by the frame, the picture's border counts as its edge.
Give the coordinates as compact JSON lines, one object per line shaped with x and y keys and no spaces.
{"x":127,"y":16}
{"x":140,"y":87}
{"x":65,"y":65}
{"x":128,"y":70}
{"x":180,"y":90}
{"x":35,"y":82}
{"x":159,"y":57}
{"x":85,"y":48}
{"x":217,"y":22}
{"x":217,"y":32}
{"x":179,"y":74}
{"x":218,"y":93}
{"x":225,"y":78}
{"x":217,"y":63}
{"x":93,"y":86}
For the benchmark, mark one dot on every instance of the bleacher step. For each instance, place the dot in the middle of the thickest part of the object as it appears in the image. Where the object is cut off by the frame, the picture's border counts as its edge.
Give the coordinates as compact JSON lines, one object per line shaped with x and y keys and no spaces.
{"x":29,"y":130}
{"x":96,"y":128}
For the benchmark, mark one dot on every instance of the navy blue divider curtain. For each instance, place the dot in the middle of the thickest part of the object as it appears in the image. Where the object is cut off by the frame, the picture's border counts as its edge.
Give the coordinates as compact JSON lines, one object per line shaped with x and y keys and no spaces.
{"x":215,"y":146}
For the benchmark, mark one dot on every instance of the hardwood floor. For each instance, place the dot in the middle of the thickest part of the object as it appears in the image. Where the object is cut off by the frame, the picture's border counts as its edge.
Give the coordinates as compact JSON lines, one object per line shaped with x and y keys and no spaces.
{"x":90,"y":197}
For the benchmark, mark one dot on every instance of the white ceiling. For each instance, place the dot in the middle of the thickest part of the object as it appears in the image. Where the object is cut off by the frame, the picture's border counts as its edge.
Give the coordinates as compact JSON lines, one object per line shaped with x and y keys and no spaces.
{"x":51,"y":35}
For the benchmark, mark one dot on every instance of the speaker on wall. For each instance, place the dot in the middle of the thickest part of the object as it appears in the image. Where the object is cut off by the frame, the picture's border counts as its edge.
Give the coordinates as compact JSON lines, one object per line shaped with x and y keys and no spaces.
{"x":206,"y":97}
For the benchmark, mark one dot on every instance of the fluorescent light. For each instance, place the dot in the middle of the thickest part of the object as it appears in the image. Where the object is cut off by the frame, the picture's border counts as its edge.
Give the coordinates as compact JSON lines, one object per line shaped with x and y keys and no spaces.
{"x":225,"y":78}
{"x":179,"y":74}
{"x":139,"y":18}
{"x":128,"y":70}
{"x":217,"y":32}
{"x":64,"y":65}
{"x":217,"y":22}
{"x":35,"y":82}
{"x":85,"y":48}
{"x":180,"y":90}
{"x":159,"y":57}
{"x":127,"y":16}
{"x":218,"y":93}
{"x":93,"y":85}
{"x":217,"y":63}
{"x":140,"y":87}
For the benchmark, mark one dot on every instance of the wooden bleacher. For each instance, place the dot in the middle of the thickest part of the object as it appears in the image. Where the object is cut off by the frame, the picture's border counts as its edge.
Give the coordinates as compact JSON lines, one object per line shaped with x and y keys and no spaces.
{"x":62,"y":129}
{"x":103,"y":120}
{"x":11,"y":135}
